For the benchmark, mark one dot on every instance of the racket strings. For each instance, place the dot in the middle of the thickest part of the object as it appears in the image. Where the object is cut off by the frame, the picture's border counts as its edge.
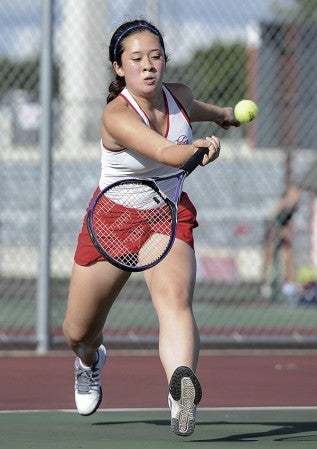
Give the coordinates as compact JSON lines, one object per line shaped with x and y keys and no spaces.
{"x":136,"y":195}
{"x":137,"y":236}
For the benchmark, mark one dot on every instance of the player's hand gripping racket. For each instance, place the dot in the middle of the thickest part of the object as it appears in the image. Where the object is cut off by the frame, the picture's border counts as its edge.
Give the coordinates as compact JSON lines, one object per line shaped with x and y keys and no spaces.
{"x":132,"y":223}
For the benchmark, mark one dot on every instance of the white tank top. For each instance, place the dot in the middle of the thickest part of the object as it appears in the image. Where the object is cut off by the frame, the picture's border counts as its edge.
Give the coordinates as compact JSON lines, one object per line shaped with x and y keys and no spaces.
{"x":126,"y":163}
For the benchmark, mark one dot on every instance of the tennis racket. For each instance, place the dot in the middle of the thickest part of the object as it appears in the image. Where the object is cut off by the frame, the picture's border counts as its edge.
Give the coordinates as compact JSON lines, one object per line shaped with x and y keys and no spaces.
{"x":132,"y":223}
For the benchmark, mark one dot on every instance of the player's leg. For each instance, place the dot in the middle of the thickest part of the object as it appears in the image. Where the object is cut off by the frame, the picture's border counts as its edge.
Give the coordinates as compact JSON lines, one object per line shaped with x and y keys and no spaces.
{"x":93,"y":290}
{"x":290,"y":286}
{"x":268,"y":248}
{"x":171,"y":285}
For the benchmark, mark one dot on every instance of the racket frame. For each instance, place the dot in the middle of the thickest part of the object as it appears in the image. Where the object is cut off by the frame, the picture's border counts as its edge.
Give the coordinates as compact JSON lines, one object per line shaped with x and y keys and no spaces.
{"x":183,"y":172}
{"x":168,"y":202}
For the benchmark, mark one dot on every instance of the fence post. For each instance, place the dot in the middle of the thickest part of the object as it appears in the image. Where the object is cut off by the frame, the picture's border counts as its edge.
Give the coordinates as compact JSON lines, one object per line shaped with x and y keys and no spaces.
{"x":43,"y":287}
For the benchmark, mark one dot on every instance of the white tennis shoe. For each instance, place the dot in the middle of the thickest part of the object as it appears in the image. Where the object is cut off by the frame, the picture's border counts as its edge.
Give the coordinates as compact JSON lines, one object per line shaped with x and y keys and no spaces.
{"x":88,"y":391}
{"x":184,"y":395}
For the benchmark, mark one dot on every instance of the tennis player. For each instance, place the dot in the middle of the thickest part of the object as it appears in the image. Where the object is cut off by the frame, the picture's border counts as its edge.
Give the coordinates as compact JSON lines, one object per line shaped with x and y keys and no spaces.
{"x":146,"y":131}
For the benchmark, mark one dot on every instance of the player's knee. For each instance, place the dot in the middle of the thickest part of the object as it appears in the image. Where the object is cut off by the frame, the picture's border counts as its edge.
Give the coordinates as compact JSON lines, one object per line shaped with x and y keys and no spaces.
{"x":175,"y":304}
{"x":74,"y":336}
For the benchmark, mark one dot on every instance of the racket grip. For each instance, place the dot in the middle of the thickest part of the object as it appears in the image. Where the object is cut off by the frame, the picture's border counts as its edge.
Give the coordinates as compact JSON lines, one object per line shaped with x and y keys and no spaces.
{"x":195,"y":160}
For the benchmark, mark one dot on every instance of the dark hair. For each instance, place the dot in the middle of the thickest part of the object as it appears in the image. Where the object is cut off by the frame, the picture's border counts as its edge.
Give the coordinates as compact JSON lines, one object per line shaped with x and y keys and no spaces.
{"x":116,"y":49}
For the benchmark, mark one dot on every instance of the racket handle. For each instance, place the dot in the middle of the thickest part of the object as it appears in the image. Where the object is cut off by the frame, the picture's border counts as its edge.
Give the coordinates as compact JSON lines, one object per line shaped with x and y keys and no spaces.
{"x":195,"y":160}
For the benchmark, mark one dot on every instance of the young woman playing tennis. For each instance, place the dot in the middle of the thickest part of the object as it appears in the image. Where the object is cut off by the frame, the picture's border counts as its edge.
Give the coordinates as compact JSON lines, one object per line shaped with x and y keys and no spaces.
{"x":145,"y":132}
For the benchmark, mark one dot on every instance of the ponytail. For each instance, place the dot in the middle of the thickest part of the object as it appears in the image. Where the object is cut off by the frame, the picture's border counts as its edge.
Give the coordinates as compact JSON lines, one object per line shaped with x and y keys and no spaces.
{"x":115,"y":88}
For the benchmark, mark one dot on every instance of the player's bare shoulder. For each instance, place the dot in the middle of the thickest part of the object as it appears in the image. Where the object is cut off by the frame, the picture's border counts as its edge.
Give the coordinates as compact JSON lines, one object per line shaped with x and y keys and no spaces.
{"x":113,"y":116}
{"x":120,"y":120}
{"x":115,"y":106}
{"x":182,"y":92}
{"x":116,"y":112}
{"x":110,"y":113}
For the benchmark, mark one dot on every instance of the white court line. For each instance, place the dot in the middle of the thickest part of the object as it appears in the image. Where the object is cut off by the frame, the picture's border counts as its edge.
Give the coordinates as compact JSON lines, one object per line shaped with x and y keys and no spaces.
{"x":201,"y":409}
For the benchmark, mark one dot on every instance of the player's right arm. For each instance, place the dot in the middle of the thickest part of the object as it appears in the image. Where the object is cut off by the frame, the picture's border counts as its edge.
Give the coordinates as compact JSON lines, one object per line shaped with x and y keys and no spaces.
{"x":199,"y":111}
{"x":123,"y":128}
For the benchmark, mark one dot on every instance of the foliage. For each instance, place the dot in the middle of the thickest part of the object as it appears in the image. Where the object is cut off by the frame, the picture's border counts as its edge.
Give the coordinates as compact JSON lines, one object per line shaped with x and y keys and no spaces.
{"x":221,"y":70}
{"x":24,"y":75}
{"x":299,"y":10}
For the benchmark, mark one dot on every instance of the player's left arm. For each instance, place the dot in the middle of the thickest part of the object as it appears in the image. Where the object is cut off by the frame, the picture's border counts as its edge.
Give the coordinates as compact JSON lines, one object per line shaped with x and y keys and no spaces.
{"x":198,"y":111}
{"x":205,"y":112}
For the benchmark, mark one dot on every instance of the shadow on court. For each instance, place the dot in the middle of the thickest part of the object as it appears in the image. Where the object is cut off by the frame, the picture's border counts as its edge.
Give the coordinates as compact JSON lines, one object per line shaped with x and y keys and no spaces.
{"x":289,"y":431}
{"x":223,"y":429}
{"x":286,"y":431}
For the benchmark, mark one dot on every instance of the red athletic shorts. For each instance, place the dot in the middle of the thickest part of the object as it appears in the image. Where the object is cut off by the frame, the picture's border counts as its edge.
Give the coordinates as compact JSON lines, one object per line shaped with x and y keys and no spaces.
{"x":86,"y":253}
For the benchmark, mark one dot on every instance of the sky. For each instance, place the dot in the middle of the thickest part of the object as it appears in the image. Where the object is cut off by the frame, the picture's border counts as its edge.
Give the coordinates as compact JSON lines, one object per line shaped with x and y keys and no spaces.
{"x":20,"y":28}
{"x":188,"y":24}
{"x":20,"y":33}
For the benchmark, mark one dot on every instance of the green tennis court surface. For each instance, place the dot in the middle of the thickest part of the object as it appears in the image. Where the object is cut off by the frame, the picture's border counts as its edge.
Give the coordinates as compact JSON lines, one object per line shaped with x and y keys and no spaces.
{"x":150,"y":429}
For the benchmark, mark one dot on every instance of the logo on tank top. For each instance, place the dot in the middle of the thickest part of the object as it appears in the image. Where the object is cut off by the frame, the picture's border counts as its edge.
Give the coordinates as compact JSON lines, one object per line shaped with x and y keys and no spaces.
{"x":182,"y":140}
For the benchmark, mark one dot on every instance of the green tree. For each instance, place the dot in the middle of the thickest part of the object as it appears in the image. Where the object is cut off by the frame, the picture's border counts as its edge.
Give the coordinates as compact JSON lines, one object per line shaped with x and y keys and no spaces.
{"x":217,"y":74}
{"x":24,"y":75}
{"x":299,"y":10}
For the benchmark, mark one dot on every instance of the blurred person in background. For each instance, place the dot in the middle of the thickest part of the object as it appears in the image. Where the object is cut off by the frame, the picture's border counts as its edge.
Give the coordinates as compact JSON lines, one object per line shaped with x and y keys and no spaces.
{"x":278,"y":242}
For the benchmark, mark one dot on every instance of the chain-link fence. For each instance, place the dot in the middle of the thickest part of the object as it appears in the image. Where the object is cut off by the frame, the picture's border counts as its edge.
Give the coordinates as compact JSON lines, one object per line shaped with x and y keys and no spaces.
{"x":226,"y":50}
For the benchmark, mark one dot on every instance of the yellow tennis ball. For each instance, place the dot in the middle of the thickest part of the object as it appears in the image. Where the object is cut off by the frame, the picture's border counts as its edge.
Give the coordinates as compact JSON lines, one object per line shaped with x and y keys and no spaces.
{"x":245,"y":111}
